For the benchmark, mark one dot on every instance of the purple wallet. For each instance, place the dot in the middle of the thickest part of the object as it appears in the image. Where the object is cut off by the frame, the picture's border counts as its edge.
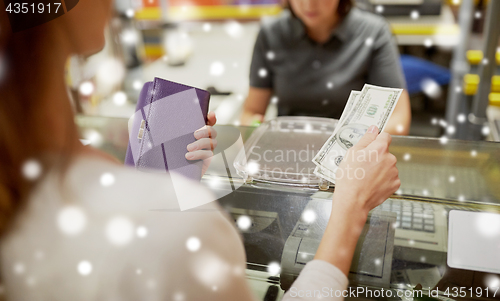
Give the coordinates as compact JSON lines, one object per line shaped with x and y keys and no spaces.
{"x":166,"y":117}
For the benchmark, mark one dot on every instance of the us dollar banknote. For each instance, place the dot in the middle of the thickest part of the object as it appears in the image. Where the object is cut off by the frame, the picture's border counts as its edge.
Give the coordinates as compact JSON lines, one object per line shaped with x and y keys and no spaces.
{"x":372,"y":106}
{"x":323,"y":173}
{"x":353,"y":96}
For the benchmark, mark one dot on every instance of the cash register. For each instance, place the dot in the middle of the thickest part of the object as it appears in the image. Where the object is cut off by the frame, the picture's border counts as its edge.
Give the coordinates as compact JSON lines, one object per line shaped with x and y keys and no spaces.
{"x":403,"y":239}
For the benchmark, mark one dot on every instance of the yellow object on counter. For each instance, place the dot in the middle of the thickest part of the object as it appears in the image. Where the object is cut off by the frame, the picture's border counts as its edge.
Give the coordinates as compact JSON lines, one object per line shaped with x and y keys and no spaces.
{"x":221,"y":12}
{"x":497,"y":55}
{"x":495,"y":83}
{"x":148,"y":13}
{"x":471,"y":79}
{"x":425,"y":29}
{"x":471,"y":82}
{"x":470,"y":89}
{"x":458,"y":2}
{"x":494,"y":99}
{"x":153,"y":52}
{"x":474,"y":56}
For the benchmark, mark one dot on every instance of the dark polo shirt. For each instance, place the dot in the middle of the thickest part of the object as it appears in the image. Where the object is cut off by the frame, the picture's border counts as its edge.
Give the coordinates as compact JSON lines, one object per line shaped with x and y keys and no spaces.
{"x":312,"y":79}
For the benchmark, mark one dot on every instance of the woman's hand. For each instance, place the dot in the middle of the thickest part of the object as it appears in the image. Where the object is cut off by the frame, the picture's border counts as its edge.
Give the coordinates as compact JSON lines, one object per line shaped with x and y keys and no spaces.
{"x":203,"y":148}
{"x":366,"y":177}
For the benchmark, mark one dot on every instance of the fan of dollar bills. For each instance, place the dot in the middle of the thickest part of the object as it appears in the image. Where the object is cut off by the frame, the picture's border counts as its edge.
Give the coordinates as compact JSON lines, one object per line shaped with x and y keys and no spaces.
{"x":372,"y":106}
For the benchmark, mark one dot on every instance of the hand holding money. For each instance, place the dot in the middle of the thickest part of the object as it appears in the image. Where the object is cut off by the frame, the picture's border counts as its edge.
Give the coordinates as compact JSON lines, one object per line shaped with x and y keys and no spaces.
{"x":354,"y":198}
{"x":374,"y":176}
{"x":372,"y":106}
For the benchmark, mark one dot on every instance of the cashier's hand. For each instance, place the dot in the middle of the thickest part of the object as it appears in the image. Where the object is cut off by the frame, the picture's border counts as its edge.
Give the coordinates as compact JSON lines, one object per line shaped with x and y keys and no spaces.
{"x":203,"y":148}
{"x":368,"y":175}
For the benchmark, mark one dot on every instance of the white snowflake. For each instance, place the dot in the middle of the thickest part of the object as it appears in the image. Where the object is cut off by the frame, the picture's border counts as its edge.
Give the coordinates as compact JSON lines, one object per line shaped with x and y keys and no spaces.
{"x":217,"y":68}
{"x":107,"y":179}
{"x":71,"y":220}
{"x":309,"y":216}
{"x":84,"y":268}
{"x":193,"y":244}
{"x":244,"y":222}
{"x":274,"y":268}
{"x":31,"y":169}
{"x":414,"y":14}
{"x":262,"y":72}
{"x":19,"y":268}
{"x":86,"y":88}
{"x":119,"y":98}
{"x":141,"y":231}
{"x":461,"y":118}
{"x":207,"y":27}
{"x":119,"y":230}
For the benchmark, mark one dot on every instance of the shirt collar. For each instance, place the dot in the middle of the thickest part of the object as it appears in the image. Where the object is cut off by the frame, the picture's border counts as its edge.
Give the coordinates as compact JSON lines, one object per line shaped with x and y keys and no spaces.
{"x":343,"y":32}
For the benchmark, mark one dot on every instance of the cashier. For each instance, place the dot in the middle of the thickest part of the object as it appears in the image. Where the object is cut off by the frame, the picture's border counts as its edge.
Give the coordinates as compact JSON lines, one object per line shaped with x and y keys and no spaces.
{"x":311,"y":57}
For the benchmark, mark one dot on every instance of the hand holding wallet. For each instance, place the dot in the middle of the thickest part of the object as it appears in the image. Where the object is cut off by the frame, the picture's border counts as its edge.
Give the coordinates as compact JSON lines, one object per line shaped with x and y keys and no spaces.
{"x":166,"y":117}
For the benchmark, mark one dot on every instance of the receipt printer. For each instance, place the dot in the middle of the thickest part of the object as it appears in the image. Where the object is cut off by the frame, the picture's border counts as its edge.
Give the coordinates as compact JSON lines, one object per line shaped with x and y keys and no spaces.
{"x":371,"y":264}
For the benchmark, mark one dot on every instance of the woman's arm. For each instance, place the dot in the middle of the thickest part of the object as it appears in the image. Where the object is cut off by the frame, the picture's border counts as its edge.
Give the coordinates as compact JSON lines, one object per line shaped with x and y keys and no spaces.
{"x":399,"y":123}
{"x":255,"y":105}
{"x":353,"y":198}
{"x":260,"y":90}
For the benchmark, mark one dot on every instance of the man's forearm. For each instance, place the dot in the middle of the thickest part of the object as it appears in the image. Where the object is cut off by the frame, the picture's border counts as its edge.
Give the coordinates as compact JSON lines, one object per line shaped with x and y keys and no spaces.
{"x":248,"y":117}
{"x":398,"y":125}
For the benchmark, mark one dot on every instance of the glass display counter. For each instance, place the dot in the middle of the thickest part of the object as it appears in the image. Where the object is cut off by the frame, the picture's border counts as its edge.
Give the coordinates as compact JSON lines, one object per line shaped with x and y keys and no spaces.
{"x":425,"y":238}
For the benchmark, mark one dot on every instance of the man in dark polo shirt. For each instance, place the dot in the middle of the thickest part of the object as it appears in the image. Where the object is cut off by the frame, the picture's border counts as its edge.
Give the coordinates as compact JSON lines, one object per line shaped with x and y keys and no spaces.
{"x":314,"y":54}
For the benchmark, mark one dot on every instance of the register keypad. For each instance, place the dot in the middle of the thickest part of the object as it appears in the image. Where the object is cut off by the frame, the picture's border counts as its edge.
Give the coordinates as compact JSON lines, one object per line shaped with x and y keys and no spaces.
{"x":411,"y":215}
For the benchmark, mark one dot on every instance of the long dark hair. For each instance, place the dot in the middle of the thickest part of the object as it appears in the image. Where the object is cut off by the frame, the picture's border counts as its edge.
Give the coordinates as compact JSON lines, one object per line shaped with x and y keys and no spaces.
{"x":344,"y":7}
{"x":24,"y":134}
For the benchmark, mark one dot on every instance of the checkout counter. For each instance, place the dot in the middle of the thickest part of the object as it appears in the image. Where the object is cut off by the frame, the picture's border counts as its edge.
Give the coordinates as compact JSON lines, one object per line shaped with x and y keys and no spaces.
{"x":414,"y":240}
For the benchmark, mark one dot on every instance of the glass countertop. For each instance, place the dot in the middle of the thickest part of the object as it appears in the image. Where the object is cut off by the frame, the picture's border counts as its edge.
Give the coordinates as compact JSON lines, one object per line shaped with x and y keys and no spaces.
{"x":429,"y":168}
{"x":405,"y":242}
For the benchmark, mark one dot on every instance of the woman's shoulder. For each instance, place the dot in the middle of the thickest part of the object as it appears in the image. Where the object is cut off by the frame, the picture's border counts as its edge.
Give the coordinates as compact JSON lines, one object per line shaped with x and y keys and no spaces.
{"x":280,"y":26}
{"x":361,"y":20}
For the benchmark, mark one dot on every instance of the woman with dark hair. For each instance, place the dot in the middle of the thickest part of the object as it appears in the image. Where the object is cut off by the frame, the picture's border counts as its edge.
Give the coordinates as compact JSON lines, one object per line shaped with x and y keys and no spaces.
{"x":315,"y":53}
{"x":75,"y":225}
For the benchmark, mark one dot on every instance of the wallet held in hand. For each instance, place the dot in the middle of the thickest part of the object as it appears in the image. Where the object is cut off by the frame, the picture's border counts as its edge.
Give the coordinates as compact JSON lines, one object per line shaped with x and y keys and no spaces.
{"x":166,"y":117}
